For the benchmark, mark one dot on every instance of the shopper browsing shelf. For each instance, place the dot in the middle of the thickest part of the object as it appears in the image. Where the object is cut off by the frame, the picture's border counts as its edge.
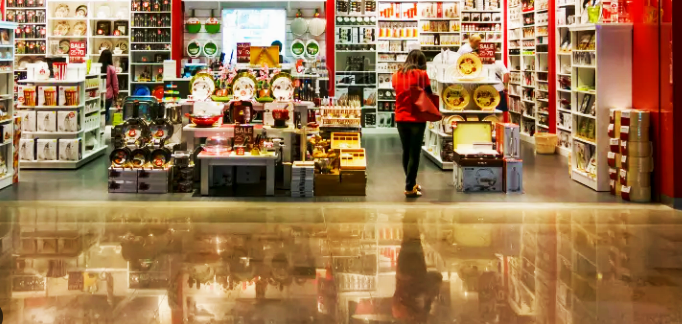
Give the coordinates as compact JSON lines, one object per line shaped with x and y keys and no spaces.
{"x":472,"y":46}
{"x":108,"y":68}
{"x":410,"y":126}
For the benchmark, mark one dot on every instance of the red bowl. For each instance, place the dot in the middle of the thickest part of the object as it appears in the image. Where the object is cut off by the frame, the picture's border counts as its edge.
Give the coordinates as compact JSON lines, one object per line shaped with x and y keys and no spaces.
{"x":204,"y":121}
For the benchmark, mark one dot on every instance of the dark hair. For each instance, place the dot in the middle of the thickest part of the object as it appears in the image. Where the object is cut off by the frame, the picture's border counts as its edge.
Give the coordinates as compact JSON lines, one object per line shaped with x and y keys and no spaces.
{"x":106,"y":59}
{"x":415,"y":60}
{"x":279,"y":44}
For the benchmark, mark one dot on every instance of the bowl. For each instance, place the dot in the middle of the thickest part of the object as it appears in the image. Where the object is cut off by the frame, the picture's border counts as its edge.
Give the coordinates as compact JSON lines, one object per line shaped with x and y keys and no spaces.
{"x":204,"y":120}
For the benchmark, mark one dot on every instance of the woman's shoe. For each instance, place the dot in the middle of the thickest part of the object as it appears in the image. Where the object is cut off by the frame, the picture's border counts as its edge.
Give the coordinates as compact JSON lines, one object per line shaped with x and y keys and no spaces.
{"x":418,"y":188}
{"x":414,"y":193}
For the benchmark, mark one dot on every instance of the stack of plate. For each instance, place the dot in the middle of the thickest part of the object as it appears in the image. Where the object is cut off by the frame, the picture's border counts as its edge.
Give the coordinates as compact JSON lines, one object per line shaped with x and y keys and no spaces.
{"x":302,"y":179}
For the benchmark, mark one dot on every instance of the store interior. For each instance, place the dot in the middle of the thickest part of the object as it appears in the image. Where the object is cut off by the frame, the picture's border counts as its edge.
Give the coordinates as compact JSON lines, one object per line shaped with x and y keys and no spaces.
{"x":210,"y":106}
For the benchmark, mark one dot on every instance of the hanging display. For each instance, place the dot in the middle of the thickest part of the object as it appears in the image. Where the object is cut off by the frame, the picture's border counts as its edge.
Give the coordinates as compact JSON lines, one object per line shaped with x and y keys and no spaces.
{"x":194,"y":49}
{"x":210,"y":49}
{"x":312,"y":48}
{"x":299,"y":26}
{"x":298,"y":48}
{"x":212,"y":24}
{"x":317,"y":25}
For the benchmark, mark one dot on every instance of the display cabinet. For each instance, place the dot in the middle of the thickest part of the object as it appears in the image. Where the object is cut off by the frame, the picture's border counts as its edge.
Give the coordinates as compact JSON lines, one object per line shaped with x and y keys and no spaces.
{"x":150,"y":41}
{"x":7,"y":120}
{"x":30,"y":32}
{"x":566,"y":13}
{"x":599,"y":53}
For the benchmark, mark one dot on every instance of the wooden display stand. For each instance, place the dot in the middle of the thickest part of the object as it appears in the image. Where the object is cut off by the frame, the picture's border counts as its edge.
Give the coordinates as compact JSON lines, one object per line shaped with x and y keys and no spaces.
{"x":342,"y":183}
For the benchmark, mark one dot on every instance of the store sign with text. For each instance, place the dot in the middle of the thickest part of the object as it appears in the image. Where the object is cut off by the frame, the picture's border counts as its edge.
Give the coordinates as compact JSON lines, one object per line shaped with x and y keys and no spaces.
{"x":486,"y":51}
{"x":77,"y":51}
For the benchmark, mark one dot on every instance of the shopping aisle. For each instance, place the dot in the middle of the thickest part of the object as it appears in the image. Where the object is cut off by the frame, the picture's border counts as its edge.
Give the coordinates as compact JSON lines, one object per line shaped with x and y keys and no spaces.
{"x":546,"y":179}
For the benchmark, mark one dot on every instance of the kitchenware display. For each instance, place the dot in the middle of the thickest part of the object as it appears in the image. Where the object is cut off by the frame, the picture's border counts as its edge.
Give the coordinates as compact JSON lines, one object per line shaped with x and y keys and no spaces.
{"x":123,"y":46}
{"x":105,"y":45}
{"x":212,"y":24}
{"x":312,"y":48}
{"x":486,"y":97}
{"x":491,"y":118}
{"x":469,"y":66}
{"x":142,"y":90}
{"x":104,"y":12}
{"x":455,"y":97}
{"x":194,"y":49}
{"x":317,"y":25}
{"x":280,"y":115}
{"x":298,"y":48}
{"x":449,"y":121}
{"x":204,"y":120}
{"x":82,"y":11}
{"x":282,"y":87}
{"x":61,"y":29}
{"x":193,"y":24}
{"x":217,"y":145}
{"x":210,"y":49}
{"x":244,"y":86}
{"x":71,"y":97}
{"x":299,"y":26}
{"x":158,"y":92}
{"x":139,"y":157}
{"x":119,"y":157}
{"x":79,"y":29}
{"x":64,"y":47}
{"x":202,"y":86}
{"x":160,"y":157}
{"x":62,"y":11}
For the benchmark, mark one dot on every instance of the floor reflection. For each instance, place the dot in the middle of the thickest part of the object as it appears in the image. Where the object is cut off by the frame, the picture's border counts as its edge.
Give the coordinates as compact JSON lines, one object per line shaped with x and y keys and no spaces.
{"x":311,"y":263}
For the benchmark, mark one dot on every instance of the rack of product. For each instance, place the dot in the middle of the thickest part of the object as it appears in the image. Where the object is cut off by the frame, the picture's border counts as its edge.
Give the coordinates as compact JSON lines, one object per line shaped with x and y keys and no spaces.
{"x":30,"y":34}
{"x":9,"y":170}
{"x":60,"y":121}
{"x":150,"y":39}
{"x":566,"y":13}
{"x":599,"y":53}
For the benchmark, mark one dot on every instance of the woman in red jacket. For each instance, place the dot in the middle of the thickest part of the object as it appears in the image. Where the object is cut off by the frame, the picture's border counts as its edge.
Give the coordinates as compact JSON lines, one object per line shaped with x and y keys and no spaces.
{"x":410,"y":127}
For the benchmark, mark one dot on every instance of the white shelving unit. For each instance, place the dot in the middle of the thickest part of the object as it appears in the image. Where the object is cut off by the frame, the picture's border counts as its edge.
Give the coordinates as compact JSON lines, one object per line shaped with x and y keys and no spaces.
{"x":7,"y":145}
{"x":522,"y":67}
{"x":90,"y":135}
{"x":563,"y":48}
{"x":594,"y":93}
{"x":147,"y":55}
{"x":28,"y":45}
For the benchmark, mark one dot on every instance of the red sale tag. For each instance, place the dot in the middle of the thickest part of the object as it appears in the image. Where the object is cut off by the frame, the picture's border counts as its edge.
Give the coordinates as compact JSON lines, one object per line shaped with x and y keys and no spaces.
{"x":486,"y":51}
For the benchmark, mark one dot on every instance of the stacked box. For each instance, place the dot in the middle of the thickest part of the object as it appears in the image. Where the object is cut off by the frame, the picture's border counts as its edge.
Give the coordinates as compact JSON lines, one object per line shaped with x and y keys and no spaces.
{"x":508,"y":144}
{"x":122,"y":180}
{"x":636,"y":163}
{"x":155,"y":181}
{"x":302,"y":179}
{"x":613,"y":156}
{"x":344,"y":183}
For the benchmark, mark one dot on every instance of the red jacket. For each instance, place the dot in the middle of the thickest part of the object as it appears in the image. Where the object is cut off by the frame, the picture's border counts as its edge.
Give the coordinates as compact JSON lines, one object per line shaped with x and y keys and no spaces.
{"x":405,"y":111}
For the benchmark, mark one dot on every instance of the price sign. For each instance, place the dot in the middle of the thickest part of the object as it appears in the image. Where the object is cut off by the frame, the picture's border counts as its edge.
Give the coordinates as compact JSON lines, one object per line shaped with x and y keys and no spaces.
{"x":486,"y":51}
{"x":77,"y":51}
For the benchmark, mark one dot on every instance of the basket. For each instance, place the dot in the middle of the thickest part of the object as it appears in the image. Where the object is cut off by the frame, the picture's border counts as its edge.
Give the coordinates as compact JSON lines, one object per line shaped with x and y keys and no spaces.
{"x":545,"y":143}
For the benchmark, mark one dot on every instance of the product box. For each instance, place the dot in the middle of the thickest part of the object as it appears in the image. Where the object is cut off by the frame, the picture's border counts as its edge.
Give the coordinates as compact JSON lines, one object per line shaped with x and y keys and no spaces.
{"x":68,"y":121}
{"x":6,"y":133}
{"x":153,"y":181}
{"x":28,"y":120}
{"x":27,"y":149}
{"x":122,"y":186}
{"x":47,"y":96}
{"x":513,"y":175}
{"x":507,"y":138}
{"x":46,"y":149}
{"x":47,"y":121}
{"x":20,"y":94}
{"x":63,"y":98}
{"x":478,"y":179}
{"x":70,"y":149}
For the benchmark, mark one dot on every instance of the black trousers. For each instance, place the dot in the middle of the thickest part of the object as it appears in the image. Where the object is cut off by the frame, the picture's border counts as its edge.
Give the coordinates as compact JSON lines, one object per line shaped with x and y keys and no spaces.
{"x":107,"y":105}
{"x":412,"y":137}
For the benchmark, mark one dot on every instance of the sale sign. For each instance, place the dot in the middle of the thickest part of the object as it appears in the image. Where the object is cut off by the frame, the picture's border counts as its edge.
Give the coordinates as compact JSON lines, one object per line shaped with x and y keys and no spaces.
{"x":486,"y":52}
{"x":77,"y":51}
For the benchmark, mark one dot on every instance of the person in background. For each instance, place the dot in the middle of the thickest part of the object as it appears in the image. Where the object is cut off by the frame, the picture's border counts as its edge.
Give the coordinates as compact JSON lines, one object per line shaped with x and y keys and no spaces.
{"x":108,"y":68}
{"x":499,"y":73}
{"x":279,"y":44}
{"x":472,"y":46}
{"x":410,"y":127}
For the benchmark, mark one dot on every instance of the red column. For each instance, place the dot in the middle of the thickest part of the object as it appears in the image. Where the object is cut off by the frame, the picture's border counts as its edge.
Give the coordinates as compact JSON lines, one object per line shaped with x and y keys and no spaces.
{"x":551,"y":65}
{"x":330,"y":13}
{"x":177,"y":41}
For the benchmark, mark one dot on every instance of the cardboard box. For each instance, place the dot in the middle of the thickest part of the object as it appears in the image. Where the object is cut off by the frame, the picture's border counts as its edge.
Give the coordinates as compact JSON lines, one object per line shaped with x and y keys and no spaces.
{"x":507,"y":137}
{"x":478,"y":179}
{"x":116,"y":174}
{"x":6,"y":133}
{"x":41,"y":95}
{"x":70,"y":149}
{"x":122,"y":186}
{"x":46,"y":149}
{"x":513,"y":175}
{"x":62,"y":94}
{"x":153,"y":181}
{"x":47,"y":121}
{"x":27,"y":149}
{"x":357,"y":177}
{"x":68,"y":121}
{"x":28,"y":120}
{"x":153,"y":175}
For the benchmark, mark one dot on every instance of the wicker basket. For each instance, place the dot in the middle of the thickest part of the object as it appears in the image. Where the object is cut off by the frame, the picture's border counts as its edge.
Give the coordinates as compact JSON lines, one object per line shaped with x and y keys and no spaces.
{"x":545,"y":143}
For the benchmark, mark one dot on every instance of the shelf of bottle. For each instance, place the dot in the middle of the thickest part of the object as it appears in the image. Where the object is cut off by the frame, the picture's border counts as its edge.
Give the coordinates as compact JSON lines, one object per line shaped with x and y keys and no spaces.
{"x":150,"y":27}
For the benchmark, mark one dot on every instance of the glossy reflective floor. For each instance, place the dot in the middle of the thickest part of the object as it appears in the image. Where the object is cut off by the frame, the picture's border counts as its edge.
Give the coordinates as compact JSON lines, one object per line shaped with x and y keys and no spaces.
{"x":545,"y":178}
{"x":184,"y":262}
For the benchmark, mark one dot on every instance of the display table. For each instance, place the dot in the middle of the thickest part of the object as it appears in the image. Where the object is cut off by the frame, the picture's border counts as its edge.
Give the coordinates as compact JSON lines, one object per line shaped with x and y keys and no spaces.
{"x":210,"y":160}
